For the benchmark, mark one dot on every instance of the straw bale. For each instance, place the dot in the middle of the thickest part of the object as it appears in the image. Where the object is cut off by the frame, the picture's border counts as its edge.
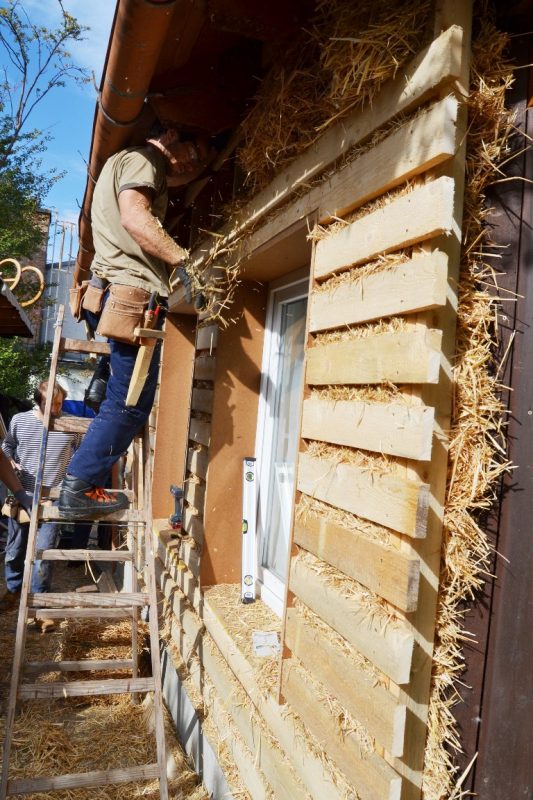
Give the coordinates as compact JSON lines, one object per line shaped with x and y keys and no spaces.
{"x":372,"y":462}
{"x":337,"y":64}
{"x":384,"y":393}
{"x":240,"y":620}
{"x":383,"y":263}
{"x":382,"y":326}
{"x":477,"y":449}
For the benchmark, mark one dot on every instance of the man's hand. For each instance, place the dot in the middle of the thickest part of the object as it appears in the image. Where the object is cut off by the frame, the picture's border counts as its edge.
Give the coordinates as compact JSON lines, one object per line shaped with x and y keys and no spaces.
{"x":24,"y":499}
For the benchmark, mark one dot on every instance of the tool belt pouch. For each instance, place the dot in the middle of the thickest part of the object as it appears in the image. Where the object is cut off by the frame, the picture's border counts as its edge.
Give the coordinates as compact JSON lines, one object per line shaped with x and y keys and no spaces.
{"x":92,"y":299}
{"x":123,"y":313}
{"x":76,"y":295}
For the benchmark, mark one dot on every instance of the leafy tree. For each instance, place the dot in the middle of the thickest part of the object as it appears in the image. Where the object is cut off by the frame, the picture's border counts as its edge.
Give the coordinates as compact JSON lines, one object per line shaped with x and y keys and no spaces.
{"x":37,"y":61}
{"x":21,"y":369}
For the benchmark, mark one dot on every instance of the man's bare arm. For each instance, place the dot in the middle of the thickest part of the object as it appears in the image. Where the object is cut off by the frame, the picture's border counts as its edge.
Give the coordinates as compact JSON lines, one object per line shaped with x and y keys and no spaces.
{"x":8,"y":475}
{"x":137,"y":218}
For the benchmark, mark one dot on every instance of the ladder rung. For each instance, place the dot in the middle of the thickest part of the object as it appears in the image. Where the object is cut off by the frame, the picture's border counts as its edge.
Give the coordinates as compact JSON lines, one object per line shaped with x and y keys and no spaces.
{"x":85,"y":665}
{"x":84,"y":555}
{"x":42,"y":691}
{"x":80,"y":613}
{"x":83,"y":346}
{"x":82,"y":780}
{"x":125,"y":515}
{"x":49,"y":600}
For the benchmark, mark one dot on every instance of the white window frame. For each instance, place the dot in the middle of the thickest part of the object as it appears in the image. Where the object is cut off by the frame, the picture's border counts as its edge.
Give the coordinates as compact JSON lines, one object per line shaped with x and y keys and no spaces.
{"x":269,"y":586}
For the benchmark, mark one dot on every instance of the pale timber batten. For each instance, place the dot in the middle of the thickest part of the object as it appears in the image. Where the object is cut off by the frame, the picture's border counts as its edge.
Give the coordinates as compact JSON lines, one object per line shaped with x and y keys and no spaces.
{"x":369,"y":702}
{"x":373,"y":777}
{"x":204,"y":368}
{"x":389,"y":647}
{"x":202,"y":400}
{"x":389,"y":500}
{"x":399,"y":357}
{"x":416,"y":285}
{"x":268,"y":758}
{"x":421,"y":214}
{"x":200,"y":431}
{"x":384,"y":570}
{"x":197,"y":462}
{"x":207,"y":337}
{"x":395,"y":428}
{"x":319,"y":781}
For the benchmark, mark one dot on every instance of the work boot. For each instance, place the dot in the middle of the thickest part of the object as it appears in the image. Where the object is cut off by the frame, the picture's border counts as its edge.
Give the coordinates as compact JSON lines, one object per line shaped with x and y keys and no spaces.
{"x":81,"y":500}
{"x":9,"y":602}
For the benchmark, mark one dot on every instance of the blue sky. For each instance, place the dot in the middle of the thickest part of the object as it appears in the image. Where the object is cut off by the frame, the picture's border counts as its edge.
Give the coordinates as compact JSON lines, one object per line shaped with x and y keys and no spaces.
{"x":67,"y":113}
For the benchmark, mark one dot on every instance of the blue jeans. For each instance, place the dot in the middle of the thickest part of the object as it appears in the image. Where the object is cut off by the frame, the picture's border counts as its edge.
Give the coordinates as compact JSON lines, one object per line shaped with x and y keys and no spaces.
{"x":17,"y":541}
{"x":114,"y":427}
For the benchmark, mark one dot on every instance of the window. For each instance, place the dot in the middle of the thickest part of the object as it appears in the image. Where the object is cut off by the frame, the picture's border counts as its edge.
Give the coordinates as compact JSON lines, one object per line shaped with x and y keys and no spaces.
{"x":278,"y":433}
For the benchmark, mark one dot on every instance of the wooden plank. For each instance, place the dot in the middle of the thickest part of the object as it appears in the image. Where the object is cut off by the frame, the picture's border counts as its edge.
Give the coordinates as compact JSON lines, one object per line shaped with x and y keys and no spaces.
{"x":202,"y":400}
{"x":403,"y":357}
{"x":390,"y":648}
{"x":204,"y":368}
{"x":198,"y":462}
{"x":389,"y":500}
{"x":84,"y":665}
{"x":200,"y":431}
{"x":74,"y":599}
{"x":207,"y":337}
{"x":319,"y":781}
{"x":68,"y":424}
{"x":182,"y":577}
{"x":357,"y":690}
{"x":40,"y":691}
{"x":394,"y":428}
{"x":372,"y":777}
{"x":195,"y":494}
{"x":80,"y":613}
{"x":84,"y":346}
{"x":416,"y":285}
{"x":436,"y":65}
{"x":52,"y":513}
{"x":388,"y":572}
{"x":274,"y":764}
{"x":84,"y":780}
{"x":423,"y":214}
{"x":416,"y":147}
{"x":193,"y":525}
{"x":84,"y":555}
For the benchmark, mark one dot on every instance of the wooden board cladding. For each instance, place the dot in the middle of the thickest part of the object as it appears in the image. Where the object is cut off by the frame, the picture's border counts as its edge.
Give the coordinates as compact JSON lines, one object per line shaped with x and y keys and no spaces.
{"x":316,"y":777}
{"x":422,"y":214}
{"x":389,"y":500}
{"x":204,"y":368}
{"x":418,"y":284}
{"x":388,"y":572}
{"x":200,"y":431}
{"x":207,"y":337}
{"x":390,"y":648}
{"x":402,"y":357}
{"x":202,"y":400}
{"x":197,"y":462}
{"x":424,"y":76}
{"x":395,"y":428}
{"x":373,"y":777}
{"x":369,"y":702}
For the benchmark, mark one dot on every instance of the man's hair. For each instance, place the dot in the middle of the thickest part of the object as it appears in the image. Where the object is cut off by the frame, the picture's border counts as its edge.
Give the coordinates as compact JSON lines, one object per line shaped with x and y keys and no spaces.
{"x":158,"y":128}
{"x":39,"y":395}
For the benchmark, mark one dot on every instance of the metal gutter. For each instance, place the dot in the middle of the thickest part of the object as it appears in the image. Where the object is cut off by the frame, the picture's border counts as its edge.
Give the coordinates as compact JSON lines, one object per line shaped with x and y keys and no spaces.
{"x":137,"y":36}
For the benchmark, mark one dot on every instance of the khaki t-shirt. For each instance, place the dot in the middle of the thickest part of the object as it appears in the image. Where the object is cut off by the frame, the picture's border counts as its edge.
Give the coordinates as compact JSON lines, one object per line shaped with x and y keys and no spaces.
{"x":118,"y":258}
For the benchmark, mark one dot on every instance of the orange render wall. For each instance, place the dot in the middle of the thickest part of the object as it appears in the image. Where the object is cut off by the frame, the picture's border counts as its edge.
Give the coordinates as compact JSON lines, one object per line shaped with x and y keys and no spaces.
{"x":173,"y":413}
{"x":233,"y":429}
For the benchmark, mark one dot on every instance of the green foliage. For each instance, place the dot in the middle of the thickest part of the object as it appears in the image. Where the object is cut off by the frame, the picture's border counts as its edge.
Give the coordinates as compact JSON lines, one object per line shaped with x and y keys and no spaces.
{"x":35,"y":62}
{"x":21,"y":369}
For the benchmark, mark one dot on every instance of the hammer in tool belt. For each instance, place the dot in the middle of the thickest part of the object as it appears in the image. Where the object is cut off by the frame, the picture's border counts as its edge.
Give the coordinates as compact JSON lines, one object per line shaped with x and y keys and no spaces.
{"x":148,"y":337}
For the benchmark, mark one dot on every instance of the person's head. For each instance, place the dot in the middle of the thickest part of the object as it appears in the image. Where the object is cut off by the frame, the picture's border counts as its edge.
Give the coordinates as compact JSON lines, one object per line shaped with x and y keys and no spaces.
{"x":40,"y":396}
{"x":185,"y":159}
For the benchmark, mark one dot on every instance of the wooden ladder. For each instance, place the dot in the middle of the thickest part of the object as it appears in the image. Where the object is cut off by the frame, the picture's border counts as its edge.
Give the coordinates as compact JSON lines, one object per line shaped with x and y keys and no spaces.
{"x":85,"y":605}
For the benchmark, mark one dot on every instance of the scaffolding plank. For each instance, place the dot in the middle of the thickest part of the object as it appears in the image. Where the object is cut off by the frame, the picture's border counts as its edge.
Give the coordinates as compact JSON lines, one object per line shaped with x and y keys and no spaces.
{"x":84,"y":780}
{"x":40,"y":691}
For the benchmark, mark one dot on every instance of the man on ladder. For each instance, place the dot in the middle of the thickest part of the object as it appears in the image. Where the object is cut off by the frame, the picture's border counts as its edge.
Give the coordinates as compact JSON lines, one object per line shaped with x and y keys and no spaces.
{"x":128,"y":291}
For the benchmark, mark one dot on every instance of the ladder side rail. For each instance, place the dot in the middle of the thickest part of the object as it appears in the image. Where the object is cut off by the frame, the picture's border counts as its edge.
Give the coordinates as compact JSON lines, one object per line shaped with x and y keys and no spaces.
{"x":20,"y":640}
{"x":149,"y":559}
